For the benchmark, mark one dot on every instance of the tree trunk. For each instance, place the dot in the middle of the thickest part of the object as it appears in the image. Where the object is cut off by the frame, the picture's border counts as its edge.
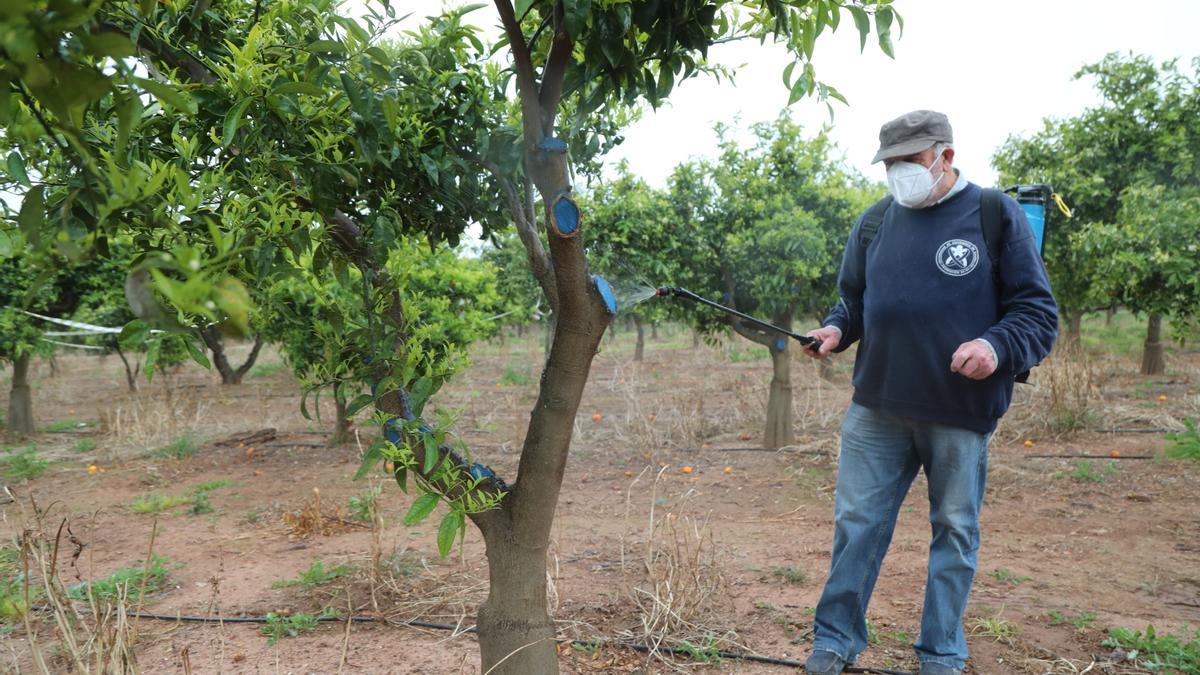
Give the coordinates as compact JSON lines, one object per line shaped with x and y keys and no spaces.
{"x":695,"y":339}
{"x":216,"y":344}
{"x":53,"y":366}
{"x":1153,"y":362}
{"x":639,"y":350}
{"x":341,"y":428}
{"x":654,"y":330}
{"x":1109,"y":315}
{"x":1074,"y":326}
{"x":513,"y":624}
{"x":130,"y":373}
{"x":20,"y":401}
{"x":779,"y":404}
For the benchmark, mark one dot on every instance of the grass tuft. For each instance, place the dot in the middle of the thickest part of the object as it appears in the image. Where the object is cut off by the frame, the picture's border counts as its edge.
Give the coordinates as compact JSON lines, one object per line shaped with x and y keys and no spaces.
{"x":1185,"y":444}
{"x":1158,"y":652}
{"x":182,"y":447}
{"x":24,"y":464}
{"x":279,"y":626}
{"x":314,"y":576}
{"x":133,"y":580}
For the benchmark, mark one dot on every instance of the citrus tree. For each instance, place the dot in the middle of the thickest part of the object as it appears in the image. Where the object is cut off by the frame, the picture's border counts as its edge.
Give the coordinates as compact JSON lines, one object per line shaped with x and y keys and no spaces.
{"x":765,"y":227}
{"x":323,"y":324}
{"x":1142,"y":136}
{"x":228,"y":138}
{"x":633,"y":241}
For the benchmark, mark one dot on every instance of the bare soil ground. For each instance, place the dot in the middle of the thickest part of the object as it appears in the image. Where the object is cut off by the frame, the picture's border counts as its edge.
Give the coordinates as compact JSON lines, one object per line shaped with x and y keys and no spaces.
{"x":672,"y":524}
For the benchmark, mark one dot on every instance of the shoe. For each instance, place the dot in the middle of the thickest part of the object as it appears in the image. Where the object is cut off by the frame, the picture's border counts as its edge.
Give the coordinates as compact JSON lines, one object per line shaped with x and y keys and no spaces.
{"x":931,"y":668}
{"x":822,"y":662}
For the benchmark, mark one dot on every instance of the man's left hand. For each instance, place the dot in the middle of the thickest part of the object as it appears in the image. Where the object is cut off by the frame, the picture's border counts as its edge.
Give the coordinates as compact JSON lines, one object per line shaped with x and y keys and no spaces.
{"x":973,"y":359}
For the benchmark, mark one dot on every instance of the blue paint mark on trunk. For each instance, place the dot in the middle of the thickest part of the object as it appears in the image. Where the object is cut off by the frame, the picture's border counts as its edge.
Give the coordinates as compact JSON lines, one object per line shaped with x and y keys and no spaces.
{"x":606,"y":292}
{"x":566,"y":215}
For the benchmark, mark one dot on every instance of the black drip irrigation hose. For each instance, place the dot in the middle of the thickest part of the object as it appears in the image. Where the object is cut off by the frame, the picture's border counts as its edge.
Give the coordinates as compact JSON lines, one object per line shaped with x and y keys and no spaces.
{"x":645,"y":649}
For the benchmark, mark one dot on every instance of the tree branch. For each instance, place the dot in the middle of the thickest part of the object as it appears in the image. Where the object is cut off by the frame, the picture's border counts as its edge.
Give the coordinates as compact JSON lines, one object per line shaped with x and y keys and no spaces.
{"x":553,"y":75}
{"x":523,"y":64}
{"x":522,"y":212}
{"x":348,"y":237}
{"x":196,"y":70}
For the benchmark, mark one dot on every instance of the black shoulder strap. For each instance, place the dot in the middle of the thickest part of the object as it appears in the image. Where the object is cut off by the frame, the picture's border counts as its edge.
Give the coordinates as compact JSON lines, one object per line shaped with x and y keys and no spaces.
{"x":992,"y":219}
{"x":872,"y":219}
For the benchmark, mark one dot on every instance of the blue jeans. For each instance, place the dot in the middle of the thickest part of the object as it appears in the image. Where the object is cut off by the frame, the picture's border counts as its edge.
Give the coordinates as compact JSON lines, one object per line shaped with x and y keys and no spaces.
{"x":879,"y":460}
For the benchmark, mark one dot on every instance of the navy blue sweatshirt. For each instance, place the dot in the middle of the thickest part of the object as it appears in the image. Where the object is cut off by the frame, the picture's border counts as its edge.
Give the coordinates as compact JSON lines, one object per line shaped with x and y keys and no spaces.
{"x":928,"y":288}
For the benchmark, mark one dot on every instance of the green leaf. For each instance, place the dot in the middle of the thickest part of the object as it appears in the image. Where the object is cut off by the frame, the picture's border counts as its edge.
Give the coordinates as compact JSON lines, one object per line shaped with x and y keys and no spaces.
{"x":431,"y":167}
{"x":147,"y":7}
{"x":168,"y":95}
{"x":522,"y":7}
{"x":16,"y":168}
{"x":197,"y":355}
{"x":370,"y":458}
{"x":129,"y":116}
{"x":422,"y":389}
{"x":575,"y":14}
{"x":431,"y":454}
{"x":357,"y":103}
{"x":304,"y":405}
{"x":33,"y":213}
{"x":360,"y":402}
{"x":883,"y":26}
{"x":133,"y":335}
{"x":116,"y":45}
{"x":863,"y":23}
{"x":298,"y":88}
{"x":152,"y":352}
{"x":233,"y":120}
{"x":402,"y":478}
{"x":421,"y":508}
{"x":811,"y":30}
{"x":448,"y":530}
{"x":326,"y":46}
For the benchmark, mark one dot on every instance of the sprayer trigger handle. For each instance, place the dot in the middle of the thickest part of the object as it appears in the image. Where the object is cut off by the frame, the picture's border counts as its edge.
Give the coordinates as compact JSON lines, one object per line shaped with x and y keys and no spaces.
{"x":810,"y":343}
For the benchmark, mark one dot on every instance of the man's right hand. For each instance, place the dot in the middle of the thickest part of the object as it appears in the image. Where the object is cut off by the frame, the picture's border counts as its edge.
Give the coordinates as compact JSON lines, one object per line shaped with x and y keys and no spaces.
{"x":829,"y":337}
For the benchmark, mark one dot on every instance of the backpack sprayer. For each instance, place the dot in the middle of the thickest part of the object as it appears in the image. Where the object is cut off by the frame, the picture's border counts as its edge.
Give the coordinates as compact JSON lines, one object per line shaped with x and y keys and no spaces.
{"x":1034,"y":200}
{"x":808,"y":342}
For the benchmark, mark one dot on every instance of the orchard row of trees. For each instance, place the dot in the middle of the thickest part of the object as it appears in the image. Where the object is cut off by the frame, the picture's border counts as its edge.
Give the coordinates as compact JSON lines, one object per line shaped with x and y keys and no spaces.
{"x":1130,"y":166}
{"x":240,"y":146}
{"x":759,"y":227}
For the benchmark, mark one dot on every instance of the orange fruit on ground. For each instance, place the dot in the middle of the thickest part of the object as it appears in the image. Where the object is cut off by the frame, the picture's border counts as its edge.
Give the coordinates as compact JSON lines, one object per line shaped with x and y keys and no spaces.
{"x":93,"y":468}
{"x":1115,"y":453}
{"x":1162,"y":397}
{"x":249,"y":451}
{"x":729,"y":469}
{"x":686,"y":469}
{"x":597,"y":417}
{"x":744,"y":437}
{"x":1029,"y":444}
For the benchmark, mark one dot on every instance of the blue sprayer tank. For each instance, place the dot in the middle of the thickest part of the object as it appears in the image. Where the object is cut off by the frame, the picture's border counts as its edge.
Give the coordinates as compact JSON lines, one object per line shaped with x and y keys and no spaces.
{"x":1033,"y":200}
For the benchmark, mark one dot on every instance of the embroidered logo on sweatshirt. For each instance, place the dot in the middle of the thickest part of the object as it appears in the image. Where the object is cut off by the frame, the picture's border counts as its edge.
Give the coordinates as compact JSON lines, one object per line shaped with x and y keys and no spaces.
{"x":957,"y":257}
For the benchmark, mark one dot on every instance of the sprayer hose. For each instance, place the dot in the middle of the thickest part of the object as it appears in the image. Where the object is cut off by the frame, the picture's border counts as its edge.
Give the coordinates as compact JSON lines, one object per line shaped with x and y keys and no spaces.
{"x":645,"y":649}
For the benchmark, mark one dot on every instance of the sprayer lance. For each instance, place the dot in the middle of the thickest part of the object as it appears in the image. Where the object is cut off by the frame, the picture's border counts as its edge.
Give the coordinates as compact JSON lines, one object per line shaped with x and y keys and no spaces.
{"x":808,"y":342}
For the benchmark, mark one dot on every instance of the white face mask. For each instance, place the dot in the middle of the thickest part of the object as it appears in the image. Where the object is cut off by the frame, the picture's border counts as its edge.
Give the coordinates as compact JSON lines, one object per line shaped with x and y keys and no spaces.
{"x":912,"y":184}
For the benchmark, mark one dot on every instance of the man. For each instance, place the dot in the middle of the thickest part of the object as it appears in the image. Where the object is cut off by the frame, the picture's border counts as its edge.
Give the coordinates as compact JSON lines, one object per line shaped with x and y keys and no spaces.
{"x":941,"y":337}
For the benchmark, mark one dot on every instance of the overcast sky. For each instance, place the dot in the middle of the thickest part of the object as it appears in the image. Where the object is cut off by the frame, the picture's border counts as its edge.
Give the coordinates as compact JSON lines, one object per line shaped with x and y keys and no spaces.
{"x":996,"y":68}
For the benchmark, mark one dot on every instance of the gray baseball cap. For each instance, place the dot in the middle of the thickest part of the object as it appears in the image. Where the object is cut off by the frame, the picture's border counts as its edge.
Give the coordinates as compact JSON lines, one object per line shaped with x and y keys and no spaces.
{"x":911,"y":133}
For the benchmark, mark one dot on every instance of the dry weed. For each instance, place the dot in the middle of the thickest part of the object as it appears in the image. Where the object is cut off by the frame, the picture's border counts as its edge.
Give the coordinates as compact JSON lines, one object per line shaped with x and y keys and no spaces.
{"x":1062,"y":397}
{"x":93,"y":635}
{"x":310,"y":519}
{"x":680,"y":588}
